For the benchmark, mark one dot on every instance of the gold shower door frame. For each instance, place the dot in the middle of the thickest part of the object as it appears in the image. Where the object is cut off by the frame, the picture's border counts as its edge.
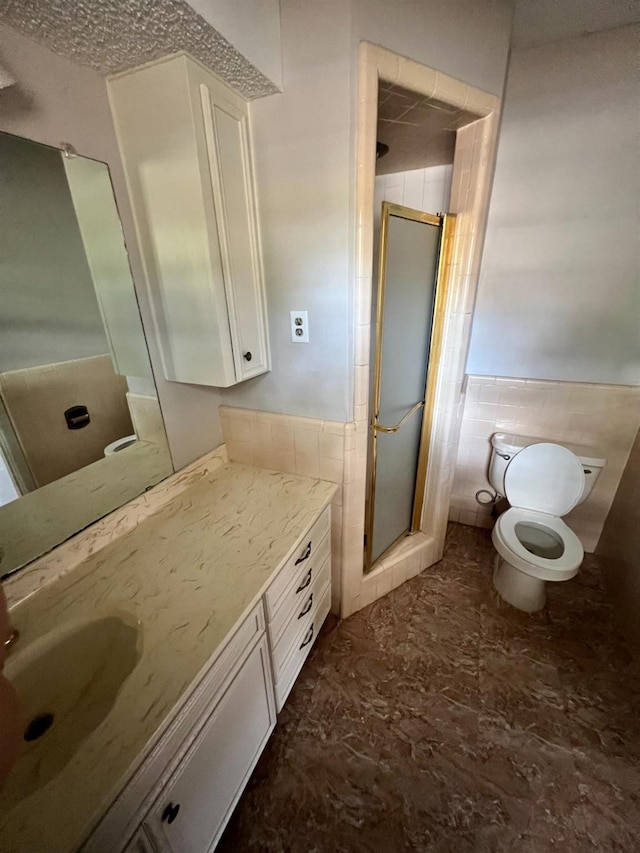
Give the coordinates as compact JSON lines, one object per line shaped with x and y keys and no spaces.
{"x":446,"y":222}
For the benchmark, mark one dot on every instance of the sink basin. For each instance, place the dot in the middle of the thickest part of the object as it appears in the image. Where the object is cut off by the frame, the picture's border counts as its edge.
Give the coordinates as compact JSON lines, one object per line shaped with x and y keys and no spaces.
{"x":68,"y":681}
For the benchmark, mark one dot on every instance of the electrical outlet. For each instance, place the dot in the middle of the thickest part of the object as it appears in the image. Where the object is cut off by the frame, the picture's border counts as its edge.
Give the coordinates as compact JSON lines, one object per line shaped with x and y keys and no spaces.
{"x":300,"y":327}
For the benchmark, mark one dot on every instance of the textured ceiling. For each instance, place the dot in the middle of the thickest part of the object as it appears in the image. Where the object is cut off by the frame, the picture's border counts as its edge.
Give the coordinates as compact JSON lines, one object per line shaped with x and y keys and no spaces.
{"x":112,"y":35}
{"x":420,"y":132}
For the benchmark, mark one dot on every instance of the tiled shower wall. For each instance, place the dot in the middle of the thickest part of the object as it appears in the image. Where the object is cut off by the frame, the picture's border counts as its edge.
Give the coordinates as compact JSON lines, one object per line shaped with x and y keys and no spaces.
{"x":606,"y":417}
{"x":422,"y":189}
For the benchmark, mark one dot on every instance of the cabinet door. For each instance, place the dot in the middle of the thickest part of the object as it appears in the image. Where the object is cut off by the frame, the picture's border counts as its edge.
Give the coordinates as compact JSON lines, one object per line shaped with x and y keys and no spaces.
{"x":184,"y":139}
{"x":194,"y":807}
{"x":227,"y":134}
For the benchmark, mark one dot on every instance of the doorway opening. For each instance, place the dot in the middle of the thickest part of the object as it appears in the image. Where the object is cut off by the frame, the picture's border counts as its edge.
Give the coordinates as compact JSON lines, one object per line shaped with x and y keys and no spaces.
{"x":474,"y":145}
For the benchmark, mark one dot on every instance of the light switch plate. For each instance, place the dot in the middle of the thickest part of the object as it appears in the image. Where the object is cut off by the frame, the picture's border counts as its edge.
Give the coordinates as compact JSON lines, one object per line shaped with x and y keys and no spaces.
{"x":300,"y":327}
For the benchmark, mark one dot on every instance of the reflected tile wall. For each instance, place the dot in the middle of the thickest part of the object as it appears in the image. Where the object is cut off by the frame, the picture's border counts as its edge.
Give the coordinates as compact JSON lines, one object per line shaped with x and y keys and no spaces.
{"x":36,"y":399}
{"x":606,"y":417}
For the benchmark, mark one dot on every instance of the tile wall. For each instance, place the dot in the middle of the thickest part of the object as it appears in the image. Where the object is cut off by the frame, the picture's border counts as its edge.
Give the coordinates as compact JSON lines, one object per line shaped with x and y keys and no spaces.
{"x":36,"y":398}
{"x":297,"y":445}
{"x":606,"y":417}
{"x":422,"y":189}
{"x":328,"y":450}
{"x":146,"y":418}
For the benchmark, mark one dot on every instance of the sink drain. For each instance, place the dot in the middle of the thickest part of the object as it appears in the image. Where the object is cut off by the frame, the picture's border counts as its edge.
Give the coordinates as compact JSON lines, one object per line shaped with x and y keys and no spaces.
{"x":39,"y":726}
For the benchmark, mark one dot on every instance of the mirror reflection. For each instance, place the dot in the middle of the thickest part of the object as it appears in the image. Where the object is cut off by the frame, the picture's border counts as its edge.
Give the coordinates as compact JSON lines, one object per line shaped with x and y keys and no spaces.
{"x":81,"y":431}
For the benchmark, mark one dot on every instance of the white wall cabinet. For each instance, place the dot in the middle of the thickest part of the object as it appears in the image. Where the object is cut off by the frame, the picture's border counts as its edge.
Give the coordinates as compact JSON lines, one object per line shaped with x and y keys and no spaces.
{"x":185,"y":142}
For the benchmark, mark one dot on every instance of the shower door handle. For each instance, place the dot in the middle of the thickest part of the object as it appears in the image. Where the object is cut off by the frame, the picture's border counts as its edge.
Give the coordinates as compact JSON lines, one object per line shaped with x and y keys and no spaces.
{"x":379,"y":428}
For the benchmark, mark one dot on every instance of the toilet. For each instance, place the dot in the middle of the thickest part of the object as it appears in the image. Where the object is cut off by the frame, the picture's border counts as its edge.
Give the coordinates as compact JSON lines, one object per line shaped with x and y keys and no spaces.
{"x":120,"y":444}
{"x":542,"y":481}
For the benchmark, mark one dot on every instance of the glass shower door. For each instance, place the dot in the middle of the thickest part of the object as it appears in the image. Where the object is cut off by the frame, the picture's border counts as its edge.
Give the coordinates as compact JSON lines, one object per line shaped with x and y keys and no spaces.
{"x":408,"y":302}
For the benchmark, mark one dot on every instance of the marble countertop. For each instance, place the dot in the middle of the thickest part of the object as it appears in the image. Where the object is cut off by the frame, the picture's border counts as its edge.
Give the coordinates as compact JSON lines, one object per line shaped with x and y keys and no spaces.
{"x":188,"y":574}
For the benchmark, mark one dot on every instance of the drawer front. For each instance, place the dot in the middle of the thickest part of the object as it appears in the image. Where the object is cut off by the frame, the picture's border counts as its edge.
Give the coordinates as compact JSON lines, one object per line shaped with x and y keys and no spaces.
{"x":301,"y":648}
{"x":297,"y":566}
{"x":302,"y":615}
{"x":297,"y":593}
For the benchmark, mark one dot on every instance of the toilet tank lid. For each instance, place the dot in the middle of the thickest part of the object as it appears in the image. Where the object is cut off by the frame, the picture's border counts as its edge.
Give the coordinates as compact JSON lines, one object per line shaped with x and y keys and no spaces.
{"x":508,"y":442}
{"x":544,"y":478}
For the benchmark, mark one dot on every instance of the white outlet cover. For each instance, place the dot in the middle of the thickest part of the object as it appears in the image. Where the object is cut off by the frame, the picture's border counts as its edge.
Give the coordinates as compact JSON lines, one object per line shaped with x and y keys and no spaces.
{"x":300,"y":327}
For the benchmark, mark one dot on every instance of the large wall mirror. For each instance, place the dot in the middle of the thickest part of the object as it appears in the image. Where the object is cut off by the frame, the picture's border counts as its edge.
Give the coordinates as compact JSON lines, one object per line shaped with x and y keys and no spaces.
{"x":81,"y":431}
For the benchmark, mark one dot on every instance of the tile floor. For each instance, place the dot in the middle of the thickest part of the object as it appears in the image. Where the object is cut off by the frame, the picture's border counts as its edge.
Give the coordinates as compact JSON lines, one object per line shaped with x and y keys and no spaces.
{"x":441,"y":719}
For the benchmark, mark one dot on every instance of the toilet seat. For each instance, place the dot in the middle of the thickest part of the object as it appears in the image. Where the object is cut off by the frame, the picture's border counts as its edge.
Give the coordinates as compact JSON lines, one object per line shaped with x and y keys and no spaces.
{"x":120,"y":444}
{"x":510,"y":547}
{"x":543,"y":482}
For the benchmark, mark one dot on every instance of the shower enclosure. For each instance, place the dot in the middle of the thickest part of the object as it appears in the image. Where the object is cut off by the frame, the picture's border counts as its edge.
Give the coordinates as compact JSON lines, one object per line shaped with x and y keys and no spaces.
{"x":415,"y":249}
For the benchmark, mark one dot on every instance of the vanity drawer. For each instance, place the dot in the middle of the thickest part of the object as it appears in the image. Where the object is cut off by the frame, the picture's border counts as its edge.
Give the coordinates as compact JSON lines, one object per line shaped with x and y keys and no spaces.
{"x":301,"y":615}
{"x":297,"y":566}
{"x":293,"y":598}
{"x":304,"y":640}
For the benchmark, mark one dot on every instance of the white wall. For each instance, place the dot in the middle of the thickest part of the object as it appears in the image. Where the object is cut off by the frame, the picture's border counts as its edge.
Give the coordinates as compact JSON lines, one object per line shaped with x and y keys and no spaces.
{"x":466,"y":39}
{"x":301,"y":147}
{"x":252,"y":27}
{"x":49,"y":308}
{"x":539,"y":21}
{"x":304,"y":143}
{"x":558,"y":295}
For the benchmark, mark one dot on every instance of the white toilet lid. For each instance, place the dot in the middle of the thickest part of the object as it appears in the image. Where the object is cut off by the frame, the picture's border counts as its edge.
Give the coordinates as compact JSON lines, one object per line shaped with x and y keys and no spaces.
{"x":545,"y":478}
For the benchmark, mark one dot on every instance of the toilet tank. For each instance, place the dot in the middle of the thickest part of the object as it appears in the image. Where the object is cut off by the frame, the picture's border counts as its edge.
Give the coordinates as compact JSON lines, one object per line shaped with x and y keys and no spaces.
{"x":505,"y":445}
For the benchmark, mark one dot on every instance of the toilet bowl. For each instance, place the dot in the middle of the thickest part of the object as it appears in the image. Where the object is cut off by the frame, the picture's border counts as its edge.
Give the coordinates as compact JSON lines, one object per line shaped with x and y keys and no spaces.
{"x":120,"y":444}
{"x":542,"y":482}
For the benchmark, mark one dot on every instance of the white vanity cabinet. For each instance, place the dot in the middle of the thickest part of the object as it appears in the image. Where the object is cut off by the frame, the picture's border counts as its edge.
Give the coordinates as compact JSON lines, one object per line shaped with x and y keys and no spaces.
{"x":184,"y":137}
{"x":182,"y":795}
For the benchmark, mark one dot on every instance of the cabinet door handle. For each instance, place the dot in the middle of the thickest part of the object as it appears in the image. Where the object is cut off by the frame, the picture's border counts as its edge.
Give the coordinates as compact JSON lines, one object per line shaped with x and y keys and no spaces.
{"x":308,"y":638}
{"x":305,"y":583}
{"x":307,"y":607}
{"x":305,"y":556}
{"x":170,"y":813}
{"x":248,"y":355}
